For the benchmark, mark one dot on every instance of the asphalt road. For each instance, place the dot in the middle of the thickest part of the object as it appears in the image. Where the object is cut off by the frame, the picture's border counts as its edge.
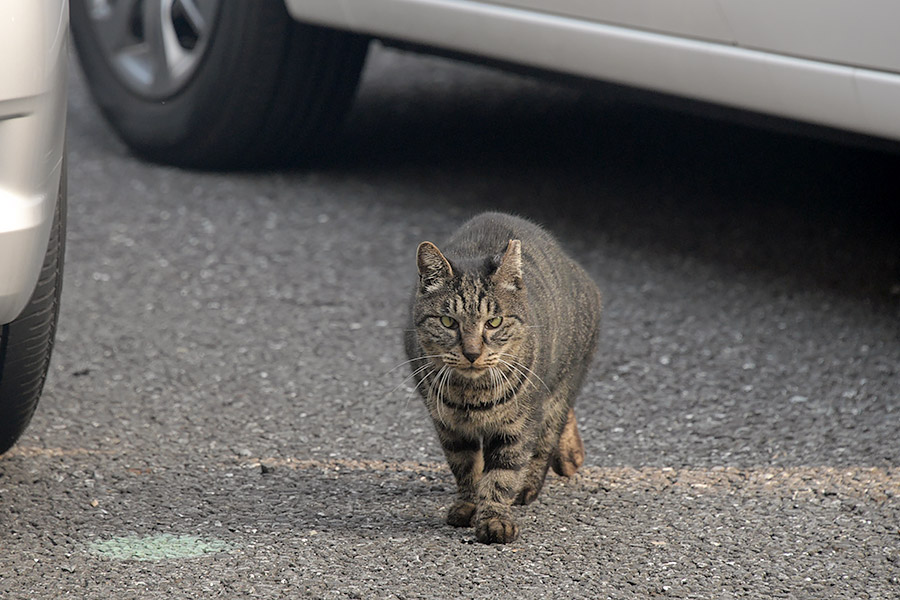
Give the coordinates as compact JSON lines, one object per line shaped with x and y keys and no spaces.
{"x":222,"y":418}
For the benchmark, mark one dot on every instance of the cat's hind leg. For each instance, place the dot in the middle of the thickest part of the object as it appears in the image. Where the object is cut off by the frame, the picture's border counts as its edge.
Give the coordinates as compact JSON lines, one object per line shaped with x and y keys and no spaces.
{"x":551,"y":427}
{"x":569,"y":455}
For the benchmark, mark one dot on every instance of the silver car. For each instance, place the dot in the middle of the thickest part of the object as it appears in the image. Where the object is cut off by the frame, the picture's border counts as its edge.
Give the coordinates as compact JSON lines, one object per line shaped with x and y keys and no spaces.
{"x":33,"y":59}
{"x":224,"y":83}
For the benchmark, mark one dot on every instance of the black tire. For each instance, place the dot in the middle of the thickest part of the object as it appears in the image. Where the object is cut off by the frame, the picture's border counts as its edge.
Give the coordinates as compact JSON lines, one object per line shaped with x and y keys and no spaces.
{"x":27,"y":343}
{"x":266,"y":91}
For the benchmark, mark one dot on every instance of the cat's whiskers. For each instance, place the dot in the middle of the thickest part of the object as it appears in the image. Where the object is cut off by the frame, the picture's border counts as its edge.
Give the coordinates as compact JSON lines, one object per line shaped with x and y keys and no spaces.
{"x":428,"y":365}
{"x":445,"y":385}
{"x":521,"y":375}
{"x":431,"y":390}
{"x":412,"y":360}
{"x":496,"y":381}
{"x":503,"y":381}
{"x":425,"y":366}
{"x":413,"y":374}
{"x":423,"y":379}
{"x":445,"y":380}
{"x":506,"y":384}
{"x":516,"y":363}
{"x":418,"y":383}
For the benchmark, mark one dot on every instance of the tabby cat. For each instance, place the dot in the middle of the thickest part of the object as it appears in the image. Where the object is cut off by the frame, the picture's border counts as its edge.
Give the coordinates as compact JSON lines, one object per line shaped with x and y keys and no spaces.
{"x":504,"y":326}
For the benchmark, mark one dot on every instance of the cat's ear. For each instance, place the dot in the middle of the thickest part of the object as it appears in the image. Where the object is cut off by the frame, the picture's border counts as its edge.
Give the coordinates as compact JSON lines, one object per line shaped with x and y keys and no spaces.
{"x":434,"y":269}
{"x":509,"y":269}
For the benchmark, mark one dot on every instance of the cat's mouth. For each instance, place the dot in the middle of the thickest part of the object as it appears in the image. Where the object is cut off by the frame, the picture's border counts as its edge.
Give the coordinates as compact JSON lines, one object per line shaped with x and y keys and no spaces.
{"x":470,"y":371}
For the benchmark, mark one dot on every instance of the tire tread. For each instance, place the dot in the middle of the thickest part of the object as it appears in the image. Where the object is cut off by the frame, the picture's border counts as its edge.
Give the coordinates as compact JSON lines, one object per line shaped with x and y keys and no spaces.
{"x":26,"y":344}
{"x":272,"y":91}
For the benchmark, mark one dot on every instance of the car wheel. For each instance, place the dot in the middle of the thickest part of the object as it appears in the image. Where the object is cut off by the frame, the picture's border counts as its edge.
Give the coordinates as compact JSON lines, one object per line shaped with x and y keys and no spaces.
{"x":216,"y":83}
{"x":27,"y":342}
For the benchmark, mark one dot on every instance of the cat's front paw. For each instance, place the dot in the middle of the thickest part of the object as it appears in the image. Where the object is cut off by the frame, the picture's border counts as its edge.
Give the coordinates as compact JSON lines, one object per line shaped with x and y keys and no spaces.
{"x":496,"y":530}
{"x":461,"y":514}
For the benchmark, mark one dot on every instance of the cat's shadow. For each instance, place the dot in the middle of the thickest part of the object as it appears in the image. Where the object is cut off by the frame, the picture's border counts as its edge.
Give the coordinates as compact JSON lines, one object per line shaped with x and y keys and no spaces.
{"x":348,"y":503}
{"x":357,"y":502}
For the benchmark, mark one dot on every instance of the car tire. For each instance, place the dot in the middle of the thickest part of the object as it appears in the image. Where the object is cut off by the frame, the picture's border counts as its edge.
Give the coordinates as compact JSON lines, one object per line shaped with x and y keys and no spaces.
{"x":260,"y":90}
{"x":27,"y":343}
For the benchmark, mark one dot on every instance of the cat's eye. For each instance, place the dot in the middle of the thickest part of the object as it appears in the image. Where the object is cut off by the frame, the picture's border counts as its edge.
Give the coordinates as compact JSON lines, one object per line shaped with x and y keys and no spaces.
{"x":494,"y":323}
{"x":448,"y":322}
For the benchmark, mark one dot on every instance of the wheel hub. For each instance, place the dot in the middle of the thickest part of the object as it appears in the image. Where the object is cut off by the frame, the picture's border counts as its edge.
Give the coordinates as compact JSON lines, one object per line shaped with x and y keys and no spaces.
{"x":153,"y":46}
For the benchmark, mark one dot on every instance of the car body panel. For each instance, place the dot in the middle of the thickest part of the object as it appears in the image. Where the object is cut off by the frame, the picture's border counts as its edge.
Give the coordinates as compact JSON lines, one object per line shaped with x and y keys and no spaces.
{"x":858,"y":33}
{"x":700,"y":19}
{"x":33,"y":59}
{"x":831,"y":92}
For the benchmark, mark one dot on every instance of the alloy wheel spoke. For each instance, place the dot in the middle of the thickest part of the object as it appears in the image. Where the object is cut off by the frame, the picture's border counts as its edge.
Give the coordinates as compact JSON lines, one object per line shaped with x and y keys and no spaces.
{"x":159,"y":55}
{"x":113,"y":21}
{"x":194,"y":15}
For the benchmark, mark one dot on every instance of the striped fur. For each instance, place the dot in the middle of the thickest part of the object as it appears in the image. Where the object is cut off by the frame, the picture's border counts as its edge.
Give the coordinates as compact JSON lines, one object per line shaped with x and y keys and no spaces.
{"x":504,"y":328}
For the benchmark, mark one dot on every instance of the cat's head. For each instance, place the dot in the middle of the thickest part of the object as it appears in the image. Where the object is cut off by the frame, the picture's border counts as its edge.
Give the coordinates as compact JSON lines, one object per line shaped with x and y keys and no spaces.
{"x":471,"y":315}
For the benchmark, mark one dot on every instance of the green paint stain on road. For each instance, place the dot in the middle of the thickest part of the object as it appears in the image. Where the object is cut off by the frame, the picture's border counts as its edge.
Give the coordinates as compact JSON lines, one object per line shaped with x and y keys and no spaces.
{"x":157,"y":547}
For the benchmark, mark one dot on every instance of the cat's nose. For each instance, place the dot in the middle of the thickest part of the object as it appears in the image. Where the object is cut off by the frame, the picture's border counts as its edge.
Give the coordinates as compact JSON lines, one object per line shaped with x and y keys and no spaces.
{"x":472,"y":356}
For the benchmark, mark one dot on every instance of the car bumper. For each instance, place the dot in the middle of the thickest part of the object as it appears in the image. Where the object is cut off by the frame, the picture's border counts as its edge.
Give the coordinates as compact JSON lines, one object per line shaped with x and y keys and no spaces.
{"x":33,"y":60}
